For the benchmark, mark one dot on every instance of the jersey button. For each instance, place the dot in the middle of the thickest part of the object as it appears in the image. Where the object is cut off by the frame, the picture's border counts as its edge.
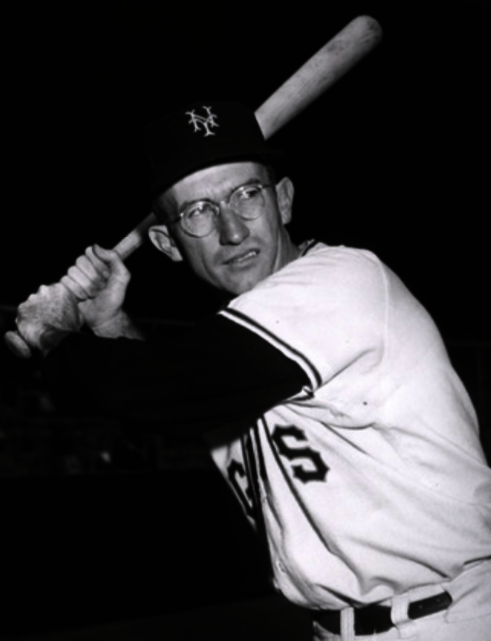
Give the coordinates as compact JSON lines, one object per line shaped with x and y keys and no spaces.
{"x":280,"y":567}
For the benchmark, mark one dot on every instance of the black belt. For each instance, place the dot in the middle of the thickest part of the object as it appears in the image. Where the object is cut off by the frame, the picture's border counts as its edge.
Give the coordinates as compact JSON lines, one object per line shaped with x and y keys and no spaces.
{"x":373,"y":619}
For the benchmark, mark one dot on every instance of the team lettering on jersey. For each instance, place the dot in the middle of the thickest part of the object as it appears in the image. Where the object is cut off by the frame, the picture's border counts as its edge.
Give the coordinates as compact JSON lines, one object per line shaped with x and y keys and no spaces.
{"x":305,"y":463}
{"x":316,"y":471}
{"x":238,"y":480}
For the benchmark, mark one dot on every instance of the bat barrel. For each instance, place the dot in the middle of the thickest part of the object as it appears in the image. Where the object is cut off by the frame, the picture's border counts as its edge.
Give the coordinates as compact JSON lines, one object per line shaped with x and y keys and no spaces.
{"x":319,"y":73}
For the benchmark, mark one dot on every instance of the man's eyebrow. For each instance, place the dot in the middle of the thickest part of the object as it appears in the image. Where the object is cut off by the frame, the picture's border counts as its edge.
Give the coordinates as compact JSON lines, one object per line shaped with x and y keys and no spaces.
{"x":252,"y":181}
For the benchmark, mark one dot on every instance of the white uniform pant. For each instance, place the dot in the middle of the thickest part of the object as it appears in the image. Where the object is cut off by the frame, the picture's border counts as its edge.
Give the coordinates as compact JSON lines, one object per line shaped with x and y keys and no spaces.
{"x":467,"y":619}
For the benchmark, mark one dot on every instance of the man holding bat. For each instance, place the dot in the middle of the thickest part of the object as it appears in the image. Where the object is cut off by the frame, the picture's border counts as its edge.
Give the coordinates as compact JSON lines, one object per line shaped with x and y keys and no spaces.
{"x":323,"y":388}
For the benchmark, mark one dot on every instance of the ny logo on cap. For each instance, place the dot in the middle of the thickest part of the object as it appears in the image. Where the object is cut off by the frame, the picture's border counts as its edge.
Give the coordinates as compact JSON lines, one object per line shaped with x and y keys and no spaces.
{"x":203,"y":121}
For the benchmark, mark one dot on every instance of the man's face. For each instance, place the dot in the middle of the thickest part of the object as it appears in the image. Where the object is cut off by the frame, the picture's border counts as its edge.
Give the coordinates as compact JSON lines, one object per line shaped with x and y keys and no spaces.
{"x":238,"y":253}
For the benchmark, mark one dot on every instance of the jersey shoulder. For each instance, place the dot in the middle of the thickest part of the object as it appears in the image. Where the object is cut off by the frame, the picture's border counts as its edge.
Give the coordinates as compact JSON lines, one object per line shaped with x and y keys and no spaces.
{"x":326,"y":308}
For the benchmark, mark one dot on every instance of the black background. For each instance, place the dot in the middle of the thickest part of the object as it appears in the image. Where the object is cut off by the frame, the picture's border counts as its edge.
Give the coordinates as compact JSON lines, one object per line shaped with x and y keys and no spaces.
{"x":392,"y":158}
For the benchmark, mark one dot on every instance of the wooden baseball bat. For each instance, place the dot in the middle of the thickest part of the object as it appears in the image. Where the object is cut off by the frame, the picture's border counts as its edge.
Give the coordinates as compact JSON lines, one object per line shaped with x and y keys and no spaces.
{"x":319,"y":73}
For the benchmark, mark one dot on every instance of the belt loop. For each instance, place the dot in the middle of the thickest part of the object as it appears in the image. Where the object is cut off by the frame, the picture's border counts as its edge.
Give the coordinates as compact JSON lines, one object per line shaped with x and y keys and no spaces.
{"x":400,"y":617}
{"x":348,"y":624}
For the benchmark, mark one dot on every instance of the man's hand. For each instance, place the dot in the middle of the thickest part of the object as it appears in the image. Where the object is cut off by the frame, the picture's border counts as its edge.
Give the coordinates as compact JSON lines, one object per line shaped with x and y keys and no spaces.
{"x":99,"y":278}
{"x":47,"y":317}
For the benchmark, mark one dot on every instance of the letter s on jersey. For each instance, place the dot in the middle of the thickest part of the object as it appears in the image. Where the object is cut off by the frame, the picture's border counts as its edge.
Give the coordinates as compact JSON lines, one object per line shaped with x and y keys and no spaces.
{"x":315,"y":471}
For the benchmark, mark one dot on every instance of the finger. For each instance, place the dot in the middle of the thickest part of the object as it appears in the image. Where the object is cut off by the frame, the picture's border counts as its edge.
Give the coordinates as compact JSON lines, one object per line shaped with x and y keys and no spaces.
{"x":107,"y":255}
{"x":88,"y":275}
{"x":100,"y":265}
{"x":92,"y":270}
{"x":112,"y":258}
{"x":84,"y":280}
{"x":73,"y":281}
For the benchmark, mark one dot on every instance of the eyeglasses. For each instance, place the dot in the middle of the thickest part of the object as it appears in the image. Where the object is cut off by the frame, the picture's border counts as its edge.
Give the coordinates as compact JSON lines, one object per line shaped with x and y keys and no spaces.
{"x":199,"y":218}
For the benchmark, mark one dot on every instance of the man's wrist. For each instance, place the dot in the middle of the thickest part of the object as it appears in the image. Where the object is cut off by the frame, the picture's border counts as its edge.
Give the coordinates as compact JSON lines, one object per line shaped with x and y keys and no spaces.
{"x":118,"y":326}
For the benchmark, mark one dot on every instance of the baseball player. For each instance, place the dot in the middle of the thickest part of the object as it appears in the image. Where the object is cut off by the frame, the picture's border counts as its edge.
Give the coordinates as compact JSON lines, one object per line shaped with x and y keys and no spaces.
{"x":323,"y":387}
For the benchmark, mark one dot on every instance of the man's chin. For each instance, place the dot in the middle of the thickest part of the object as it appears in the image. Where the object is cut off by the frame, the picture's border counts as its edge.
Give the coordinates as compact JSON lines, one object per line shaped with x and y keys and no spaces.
{"x":237,"y":281}
{"x":236,"y":287}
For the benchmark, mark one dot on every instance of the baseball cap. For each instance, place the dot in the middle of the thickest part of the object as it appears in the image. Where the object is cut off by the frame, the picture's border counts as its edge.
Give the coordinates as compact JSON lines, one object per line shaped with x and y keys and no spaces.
{"x":200,"y":135}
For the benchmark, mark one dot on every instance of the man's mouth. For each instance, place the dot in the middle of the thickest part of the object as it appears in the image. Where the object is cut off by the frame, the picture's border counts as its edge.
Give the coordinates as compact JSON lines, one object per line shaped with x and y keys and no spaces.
{"x":242,"y":259}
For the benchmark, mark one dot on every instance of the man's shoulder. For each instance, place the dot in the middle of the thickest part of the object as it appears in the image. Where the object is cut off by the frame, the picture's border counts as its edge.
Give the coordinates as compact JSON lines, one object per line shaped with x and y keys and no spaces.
{"x":327,"y":265}
{"x":324,"y":309}
{"x":331,"y":277}
{"x":338,"y":253}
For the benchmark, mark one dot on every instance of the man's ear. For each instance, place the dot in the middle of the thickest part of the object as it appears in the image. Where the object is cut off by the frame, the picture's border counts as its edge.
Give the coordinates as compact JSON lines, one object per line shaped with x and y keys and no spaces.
{"x":163,"y":241}
{"x":284,"y":194}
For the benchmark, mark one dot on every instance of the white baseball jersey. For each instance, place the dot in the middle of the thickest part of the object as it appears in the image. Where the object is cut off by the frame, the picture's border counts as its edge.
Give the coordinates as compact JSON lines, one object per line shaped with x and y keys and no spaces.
{"x":372,"y":480}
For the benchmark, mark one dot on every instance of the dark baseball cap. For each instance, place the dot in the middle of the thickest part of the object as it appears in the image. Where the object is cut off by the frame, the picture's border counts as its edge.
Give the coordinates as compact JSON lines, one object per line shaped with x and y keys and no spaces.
{"x":200,"y":135}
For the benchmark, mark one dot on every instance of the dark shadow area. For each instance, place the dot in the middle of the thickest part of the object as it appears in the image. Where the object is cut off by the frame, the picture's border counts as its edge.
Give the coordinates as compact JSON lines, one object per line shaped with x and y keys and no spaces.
{"x":260,"y":619}
{"x":109,"y":534}
{"x":83,"y":551}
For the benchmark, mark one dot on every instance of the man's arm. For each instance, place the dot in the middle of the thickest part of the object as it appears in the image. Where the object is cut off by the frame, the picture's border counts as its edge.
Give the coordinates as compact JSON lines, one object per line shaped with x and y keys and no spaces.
{"x":215,"y":374}
{"x":209,"y":375}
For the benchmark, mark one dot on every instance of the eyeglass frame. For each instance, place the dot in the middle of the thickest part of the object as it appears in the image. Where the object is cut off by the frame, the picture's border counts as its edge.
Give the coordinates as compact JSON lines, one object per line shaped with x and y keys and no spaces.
{"x":217,"y":206}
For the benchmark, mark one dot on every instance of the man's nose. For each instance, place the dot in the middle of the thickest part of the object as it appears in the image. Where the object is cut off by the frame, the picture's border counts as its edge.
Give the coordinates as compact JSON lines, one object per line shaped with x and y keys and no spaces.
{"x":232,"y":228}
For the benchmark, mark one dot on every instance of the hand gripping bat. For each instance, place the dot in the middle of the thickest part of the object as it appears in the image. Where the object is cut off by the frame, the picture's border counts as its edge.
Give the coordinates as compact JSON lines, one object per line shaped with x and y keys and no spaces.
{"x":319,"y":73}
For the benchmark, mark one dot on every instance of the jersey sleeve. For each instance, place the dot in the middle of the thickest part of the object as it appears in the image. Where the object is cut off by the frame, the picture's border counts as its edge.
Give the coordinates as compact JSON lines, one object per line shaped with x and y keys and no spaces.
{"x":209,"y":376}
{"x":323,"y":311}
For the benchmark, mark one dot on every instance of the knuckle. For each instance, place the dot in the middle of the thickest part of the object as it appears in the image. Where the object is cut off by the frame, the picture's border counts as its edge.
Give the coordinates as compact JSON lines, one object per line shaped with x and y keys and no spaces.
{"x":74,"y":272}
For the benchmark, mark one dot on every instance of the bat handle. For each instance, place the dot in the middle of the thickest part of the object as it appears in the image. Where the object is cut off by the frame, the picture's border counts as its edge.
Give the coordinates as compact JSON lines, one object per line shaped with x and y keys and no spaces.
{"x":124,"y":248}
{"x":136,"y":237}
{"x":17,"y":344}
